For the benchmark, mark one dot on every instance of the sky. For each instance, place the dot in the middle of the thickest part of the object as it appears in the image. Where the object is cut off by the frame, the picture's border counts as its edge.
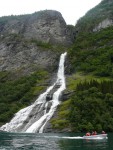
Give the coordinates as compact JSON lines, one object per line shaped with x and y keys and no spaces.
{"x":71,"y":10}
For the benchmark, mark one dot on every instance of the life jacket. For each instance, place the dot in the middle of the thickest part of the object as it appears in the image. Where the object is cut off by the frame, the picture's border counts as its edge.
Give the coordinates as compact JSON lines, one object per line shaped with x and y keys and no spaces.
{"x":88,"y":134}
{"x":95,"y":133}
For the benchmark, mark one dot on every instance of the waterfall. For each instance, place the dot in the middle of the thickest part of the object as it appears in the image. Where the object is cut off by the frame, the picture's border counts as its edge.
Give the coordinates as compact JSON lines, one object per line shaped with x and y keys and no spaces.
{"x":33,"y":118}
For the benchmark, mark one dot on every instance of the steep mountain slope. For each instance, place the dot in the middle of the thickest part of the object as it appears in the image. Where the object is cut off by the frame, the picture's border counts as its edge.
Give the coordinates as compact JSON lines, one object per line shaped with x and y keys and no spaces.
{"x":93,"y":48}
{"x":87,"y":103}
{"x":30,"y":46}
{"x":97,"y":18}
{"x":90,"y":87}
{"x":28,"y":42}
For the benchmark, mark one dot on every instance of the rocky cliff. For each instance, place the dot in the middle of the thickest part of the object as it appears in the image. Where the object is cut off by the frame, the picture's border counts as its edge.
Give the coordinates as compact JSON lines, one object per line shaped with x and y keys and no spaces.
{"x":29,"y":42}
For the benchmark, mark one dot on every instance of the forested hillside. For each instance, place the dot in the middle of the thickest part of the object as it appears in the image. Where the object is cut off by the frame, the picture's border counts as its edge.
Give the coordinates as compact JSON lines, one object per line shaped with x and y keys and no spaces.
{"x":90,"y":106}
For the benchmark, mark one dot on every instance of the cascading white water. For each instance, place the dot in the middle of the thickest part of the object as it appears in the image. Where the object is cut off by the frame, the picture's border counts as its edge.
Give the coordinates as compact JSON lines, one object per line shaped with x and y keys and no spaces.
{"x":24,"y":121}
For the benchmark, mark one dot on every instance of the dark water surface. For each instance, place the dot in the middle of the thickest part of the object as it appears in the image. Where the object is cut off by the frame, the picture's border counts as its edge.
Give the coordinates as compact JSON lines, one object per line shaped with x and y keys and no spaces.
{"x":19,"y":141}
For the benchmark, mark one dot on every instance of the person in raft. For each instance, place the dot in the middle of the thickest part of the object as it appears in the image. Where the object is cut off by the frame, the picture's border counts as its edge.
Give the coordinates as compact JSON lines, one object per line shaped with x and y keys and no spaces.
{"x":103,"y":132}
{"x":88,"y":134}
{"x":93,"y":133}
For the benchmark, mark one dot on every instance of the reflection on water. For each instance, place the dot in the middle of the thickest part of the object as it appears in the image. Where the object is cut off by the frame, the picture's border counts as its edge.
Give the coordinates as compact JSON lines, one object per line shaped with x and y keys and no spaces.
{"x":83,"y":144}
{"x":96,"y":144}
{"x":15,"y":141}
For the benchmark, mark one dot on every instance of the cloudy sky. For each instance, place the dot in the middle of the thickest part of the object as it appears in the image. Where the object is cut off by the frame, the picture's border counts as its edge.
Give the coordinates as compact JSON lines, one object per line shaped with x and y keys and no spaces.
{"x":71,"y":10}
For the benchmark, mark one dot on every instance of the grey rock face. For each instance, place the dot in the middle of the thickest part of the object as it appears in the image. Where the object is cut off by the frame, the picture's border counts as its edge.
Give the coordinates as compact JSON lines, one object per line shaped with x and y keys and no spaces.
{"x":16,"y":57}
{"x":46,"y":26}
{"x":104,"y":24}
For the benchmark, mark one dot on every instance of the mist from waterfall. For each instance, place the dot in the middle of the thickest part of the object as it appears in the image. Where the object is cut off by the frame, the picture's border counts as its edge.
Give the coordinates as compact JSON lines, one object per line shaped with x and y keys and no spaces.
{"x":33,"y":118}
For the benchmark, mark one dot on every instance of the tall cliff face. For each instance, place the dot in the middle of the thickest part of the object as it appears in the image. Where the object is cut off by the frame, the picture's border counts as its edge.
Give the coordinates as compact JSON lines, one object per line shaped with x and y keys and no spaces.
{"x":28,"y":41}
{"x":46,"y":26}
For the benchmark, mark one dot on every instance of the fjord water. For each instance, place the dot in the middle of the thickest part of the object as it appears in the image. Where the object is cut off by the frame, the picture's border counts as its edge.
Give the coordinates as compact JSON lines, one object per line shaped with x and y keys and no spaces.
{"x":50,"y":141}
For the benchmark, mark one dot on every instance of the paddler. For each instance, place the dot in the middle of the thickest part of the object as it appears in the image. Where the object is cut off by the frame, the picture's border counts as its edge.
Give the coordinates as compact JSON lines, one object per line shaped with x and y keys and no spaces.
{"x":88,"y":134}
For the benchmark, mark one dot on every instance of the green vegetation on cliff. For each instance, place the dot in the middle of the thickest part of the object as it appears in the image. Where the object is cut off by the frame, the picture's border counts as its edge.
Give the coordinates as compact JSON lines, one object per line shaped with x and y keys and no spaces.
{"x":94,"y":16}
{"x":93,"y":52}
{"x":90,"y":107}
{"x":91,"y":110}
{"x":19,"y":93}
